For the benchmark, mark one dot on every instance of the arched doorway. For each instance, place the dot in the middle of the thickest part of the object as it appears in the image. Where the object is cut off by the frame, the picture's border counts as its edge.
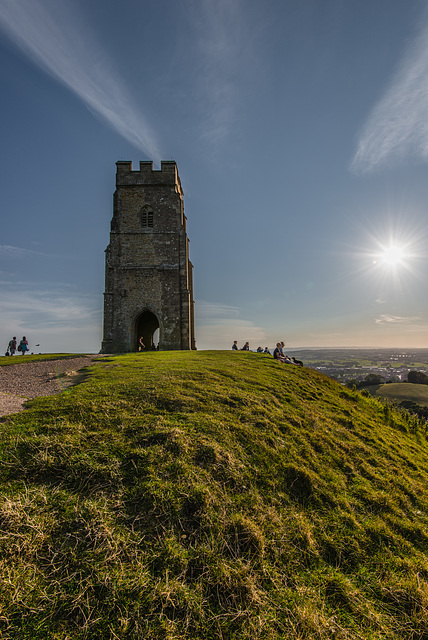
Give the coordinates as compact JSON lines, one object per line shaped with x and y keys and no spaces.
{"x":146,"y":325}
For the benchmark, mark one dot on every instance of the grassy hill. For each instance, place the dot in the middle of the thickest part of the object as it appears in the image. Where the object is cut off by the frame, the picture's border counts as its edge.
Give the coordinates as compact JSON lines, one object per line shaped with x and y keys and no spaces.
{"x":212,"y":495}
{"x":404,"y":391}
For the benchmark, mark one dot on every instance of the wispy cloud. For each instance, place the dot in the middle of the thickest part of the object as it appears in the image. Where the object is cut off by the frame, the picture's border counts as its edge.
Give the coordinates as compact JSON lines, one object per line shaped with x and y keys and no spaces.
{"x":216,"y":311}
{"x":224,"y":40}
{"x":56,"y":317}
{"x":54,"y":36}
{"x":398,"y":124}
{"x":388,"y":319}
{"x":46,"y":307}
{"x":10,"y":251}
{"x":218,"y":325}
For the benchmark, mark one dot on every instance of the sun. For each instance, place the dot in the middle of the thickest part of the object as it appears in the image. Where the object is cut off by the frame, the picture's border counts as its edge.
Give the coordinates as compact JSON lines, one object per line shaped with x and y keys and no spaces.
{"x":392,"y":252}
{"x":392,"y":255}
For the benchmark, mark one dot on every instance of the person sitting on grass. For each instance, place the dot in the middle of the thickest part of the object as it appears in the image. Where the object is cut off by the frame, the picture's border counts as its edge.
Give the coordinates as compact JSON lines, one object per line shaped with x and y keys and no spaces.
{"x":277,"y":352}
{"x":279,"y":355}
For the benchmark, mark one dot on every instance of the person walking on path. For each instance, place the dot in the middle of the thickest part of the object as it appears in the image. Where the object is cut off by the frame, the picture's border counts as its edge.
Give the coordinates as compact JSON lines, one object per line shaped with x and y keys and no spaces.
{"x":23,"y":346}
{"x":12,"y":346}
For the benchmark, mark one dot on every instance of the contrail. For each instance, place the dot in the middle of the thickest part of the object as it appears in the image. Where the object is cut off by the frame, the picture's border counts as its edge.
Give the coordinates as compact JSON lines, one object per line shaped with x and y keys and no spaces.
{"x":224,"y":37}
{"x":398,"y":124}
{"x":54,"y":37}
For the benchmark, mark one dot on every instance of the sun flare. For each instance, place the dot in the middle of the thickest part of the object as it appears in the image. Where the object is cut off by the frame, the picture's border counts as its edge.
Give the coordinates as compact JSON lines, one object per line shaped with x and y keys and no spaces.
{"x":392,"y":255}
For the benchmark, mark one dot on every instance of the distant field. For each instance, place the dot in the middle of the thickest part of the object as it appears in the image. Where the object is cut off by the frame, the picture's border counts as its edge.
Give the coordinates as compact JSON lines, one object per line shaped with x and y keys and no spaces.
{"x":363,"y":357}
{"x":404,"y":391}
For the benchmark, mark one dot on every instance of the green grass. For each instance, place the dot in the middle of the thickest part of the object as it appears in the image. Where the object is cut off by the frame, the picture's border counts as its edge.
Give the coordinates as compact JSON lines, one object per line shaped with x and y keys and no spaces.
{"x":212,"y":495}
{"x":404,"y":391}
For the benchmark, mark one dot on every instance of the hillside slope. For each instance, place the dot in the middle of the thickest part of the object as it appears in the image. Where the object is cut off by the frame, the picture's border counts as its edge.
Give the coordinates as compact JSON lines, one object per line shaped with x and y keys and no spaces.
{"x":212,"y":495}
{"x":400,"y":391}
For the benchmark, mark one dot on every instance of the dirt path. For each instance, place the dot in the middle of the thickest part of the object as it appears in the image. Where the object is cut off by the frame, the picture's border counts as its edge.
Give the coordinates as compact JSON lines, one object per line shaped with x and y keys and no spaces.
{"x":25,"y":381}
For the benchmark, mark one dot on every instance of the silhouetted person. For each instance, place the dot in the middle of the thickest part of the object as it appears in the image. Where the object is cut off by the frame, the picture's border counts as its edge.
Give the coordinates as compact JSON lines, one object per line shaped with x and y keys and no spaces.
{"x":246,"y":347}
{"x":12,"y":346}
{"x":235,"y":346}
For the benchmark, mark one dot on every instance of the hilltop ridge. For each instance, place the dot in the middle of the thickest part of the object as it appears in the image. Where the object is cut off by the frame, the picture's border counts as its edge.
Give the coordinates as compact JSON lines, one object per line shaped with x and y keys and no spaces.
{"x":212,"y":495}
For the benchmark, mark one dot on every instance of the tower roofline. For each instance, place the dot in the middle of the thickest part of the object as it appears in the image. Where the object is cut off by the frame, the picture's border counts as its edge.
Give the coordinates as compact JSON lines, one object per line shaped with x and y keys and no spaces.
{"x":167,"y":174}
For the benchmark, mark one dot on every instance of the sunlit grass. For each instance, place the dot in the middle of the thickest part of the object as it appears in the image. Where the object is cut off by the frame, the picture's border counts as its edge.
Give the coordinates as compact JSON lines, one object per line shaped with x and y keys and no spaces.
{"x":404,"y":391}
{"x":212,"y":495}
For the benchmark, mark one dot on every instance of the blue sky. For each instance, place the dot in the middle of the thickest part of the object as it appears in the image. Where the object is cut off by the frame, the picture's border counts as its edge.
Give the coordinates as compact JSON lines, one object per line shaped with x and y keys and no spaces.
{"x":300,"y":131}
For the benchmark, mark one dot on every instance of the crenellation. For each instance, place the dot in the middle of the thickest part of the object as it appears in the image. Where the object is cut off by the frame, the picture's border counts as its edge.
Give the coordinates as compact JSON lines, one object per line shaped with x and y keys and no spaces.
{"x":146,"y":175}
{"x":145,"y":165}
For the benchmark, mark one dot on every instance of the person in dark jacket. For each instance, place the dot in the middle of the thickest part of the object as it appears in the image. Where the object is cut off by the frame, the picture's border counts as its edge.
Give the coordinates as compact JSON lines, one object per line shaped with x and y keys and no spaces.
{"x":12,"y":346}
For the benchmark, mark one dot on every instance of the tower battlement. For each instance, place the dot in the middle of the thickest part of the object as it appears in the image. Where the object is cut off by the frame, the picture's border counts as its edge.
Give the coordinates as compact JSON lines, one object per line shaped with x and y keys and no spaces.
{"x":146,"y":175}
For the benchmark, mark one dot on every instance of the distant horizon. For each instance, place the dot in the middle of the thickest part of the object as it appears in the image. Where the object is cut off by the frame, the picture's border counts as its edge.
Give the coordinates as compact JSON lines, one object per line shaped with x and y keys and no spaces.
{"x":252,"y":350}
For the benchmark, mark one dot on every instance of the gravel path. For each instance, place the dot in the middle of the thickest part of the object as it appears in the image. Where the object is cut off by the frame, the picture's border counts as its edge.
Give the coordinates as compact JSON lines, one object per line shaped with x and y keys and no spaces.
{"x":25,"y":381}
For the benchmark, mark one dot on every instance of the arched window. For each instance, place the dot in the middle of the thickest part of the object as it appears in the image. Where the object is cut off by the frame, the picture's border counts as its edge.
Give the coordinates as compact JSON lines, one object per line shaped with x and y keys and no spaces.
{"x":146,"y":217}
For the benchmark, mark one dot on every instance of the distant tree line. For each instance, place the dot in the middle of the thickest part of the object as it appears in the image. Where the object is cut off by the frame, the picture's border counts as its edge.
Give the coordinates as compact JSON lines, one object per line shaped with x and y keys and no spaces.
{"x":414,"y":377}
{"x":417,"y":377}
{"x":415,"y":408}
{"x":371,"y":379}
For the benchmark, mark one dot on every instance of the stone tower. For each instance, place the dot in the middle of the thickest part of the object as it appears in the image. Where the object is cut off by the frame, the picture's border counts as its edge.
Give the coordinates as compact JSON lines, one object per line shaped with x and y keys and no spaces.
{"x":149,"y":279}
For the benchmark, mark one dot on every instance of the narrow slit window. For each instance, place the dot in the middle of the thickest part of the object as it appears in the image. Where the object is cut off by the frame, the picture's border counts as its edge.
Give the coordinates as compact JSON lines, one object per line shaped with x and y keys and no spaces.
{"x":146,"y":217}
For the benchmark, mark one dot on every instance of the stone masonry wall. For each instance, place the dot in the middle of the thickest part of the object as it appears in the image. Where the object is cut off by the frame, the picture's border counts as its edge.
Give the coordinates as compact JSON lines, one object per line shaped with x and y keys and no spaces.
{"x":147,"y":260}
